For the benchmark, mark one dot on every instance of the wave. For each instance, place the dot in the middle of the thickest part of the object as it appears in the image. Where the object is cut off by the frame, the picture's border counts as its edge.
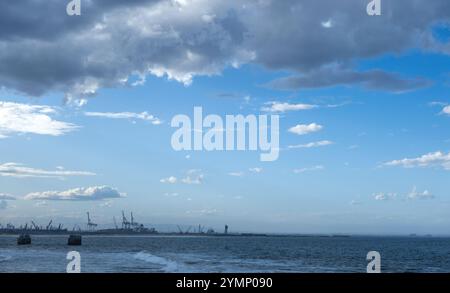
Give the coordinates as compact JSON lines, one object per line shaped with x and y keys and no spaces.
{"x":4,"y":258}
{"x":167,"y":264}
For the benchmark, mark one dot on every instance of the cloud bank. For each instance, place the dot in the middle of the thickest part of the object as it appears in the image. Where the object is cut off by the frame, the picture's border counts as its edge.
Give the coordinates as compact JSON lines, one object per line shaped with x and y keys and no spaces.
{"x":279,"y":107}
{"x":313,"y":144}
{"x":6,"y":196}
{"x":21,"y":171}
{"x":439,"y":159}
{"x":181,"y":39}
{"x":78,"y":194}
{"x":126,"y":115}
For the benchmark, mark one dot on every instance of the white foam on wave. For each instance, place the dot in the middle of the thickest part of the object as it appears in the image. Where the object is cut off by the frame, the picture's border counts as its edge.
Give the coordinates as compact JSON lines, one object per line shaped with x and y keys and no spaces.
{"x":167,"y":264}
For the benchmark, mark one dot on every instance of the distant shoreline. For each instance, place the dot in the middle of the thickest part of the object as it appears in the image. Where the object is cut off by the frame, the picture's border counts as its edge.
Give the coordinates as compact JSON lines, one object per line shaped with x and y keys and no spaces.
{"x":174,"y":234}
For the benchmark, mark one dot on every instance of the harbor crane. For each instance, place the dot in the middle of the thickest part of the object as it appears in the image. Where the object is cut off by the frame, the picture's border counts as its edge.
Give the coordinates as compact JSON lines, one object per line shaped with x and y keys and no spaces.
{"x":125,"y":223}
{"x":36,"y":227}
{"x":90,"y":224}
{"x":133,"y":223}
{"x":49,"y":226}
{"x":185,"y":231}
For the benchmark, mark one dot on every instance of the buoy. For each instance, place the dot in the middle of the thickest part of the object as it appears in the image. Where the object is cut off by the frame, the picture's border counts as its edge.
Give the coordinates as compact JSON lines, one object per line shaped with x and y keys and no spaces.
{"x":74,"y":240}
{"x":24,"y":239}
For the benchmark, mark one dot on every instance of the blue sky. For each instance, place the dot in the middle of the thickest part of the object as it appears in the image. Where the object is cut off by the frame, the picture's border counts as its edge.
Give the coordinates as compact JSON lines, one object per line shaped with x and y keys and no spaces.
{"x":379,"y":109}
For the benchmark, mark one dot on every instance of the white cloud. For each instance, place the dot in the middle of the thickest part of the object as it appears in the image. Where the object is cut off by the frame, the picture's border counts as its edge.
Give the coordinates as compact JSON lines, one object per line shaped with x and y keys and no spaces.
{"x":78,"y":194}
{"x":21,"y":171}
{"x":194,"y":176}
{"x":106,"y":204}
{"x":41,"y":203}
{"x":446,"y":110}
{"x":126,"y":115}
{"x":384,"y":196}
{"x":302,"y":129}
{"x":284,"y":107}
{"x":414,"y":194}
{"x":80,"y":102}
{"x":170,"y":180}
{"x":256,"y":170}
{"x":203,"y":212}
{"x":327,"y":24}
{"x":314,"y":168}
{"x":6,"y":196}
{"x":236,"y":174}
{"x":431,"y":159}
{"x":16,"y":118}
{"x":311,"y":144}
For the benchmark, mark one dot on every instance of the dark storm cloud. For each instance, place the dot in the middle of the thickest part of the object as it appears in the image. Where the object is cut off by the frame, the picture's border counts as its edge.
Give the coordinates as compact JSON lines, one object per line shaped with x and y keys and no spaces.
{"x":42,"y":49}
{"x":47,"y":19}
{"x":374,"y":79}
{"x":290,"y":34}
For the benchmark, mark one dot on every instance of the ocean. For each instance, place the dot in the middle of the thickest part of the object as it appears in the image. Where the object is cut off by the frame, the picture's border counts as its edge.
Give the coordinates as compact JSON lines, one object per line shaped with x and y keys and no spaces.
{"x":187,"y":254}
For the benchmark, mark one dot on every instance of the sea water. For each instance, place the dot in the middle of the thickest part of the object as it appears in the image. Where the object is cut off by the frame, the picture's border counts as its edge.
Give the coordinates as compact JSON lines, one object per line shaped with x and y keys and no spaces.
{"x":227,"y":254}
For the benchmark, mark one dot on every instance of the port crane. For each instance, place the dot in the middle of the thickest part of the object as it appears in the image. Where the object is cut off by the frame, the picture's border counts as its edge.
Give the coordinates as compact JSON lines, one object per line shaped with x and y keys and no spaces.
{"x":90,"y":224}
{"x":184,"y":232}
{"x":49,"y":226}
{"x":125,"y":223}
{"x":133,"y":223}
{"x":36,"y":227}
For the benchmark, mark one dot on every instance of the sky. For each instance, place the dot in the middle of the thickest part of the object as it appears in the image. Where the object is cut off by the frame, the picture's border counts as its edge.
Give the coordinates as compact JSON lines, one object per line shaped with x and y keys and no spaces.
{"x":86,"y":104}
